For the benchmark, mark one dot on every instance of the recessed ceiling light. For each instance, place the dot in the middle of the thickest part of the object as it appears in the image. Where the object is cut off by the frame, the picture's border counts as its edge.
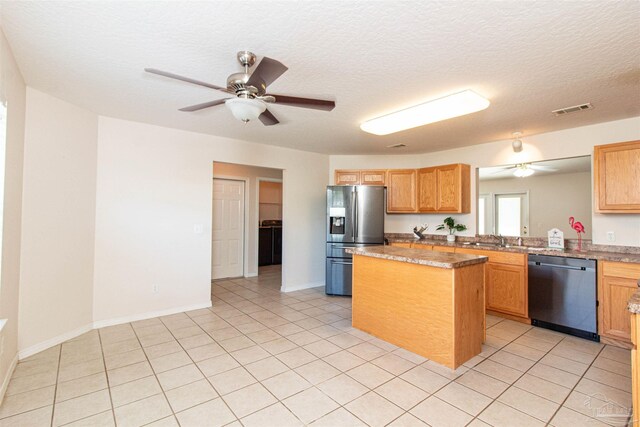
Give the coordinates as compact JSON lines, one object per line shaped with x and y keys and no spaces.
{"x":450,"y":106}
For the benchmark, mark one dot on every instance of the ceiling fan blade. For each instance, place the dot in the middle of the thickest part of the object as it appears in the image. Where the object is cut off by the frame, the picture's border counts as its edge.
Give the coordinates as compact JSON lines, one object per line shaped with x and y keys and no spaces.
{"x":186,"y":79}
{"x":542,"y":168}
{"x":266,"y":72}
{"x":268,"y":119}
{"x":316,"y":104}
{"x":204,"y":105}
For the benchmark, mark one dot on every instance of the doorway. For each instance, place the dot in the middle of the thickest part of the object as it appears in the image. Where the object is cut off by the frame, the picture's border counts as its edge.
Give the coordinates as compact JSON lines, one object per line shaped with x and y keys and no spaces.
{"x":227,"y":229}
{"x":511,"y":214}
{"x":257,"y":210}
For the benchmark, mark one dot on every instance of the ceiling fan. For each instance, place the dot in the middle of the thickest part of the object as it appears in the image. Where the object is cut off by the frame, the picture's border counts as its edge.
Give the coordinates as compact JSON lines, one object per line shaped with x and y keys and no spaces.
{"x":522,"y":170}
{"x":249,"y":90}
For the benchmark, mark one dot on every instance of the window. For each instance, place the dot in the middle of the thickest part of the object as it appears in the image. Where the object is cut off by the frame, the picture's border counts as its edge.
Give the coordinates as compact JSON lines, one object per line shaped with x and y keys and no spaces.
{"x":485,"y":225}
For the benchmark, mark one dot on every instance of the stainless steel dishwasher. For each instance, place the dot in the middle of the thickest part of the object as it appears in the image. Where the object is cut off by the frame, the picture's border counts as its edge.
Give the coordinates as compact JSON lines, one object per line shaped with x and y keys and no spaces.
{"x":562,"y":295}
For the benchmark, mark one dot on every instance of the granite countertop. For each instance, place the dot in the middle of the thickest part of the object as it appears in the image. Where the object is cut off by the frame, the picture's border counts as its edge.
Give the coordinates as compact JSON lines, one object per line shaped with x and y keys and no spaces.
{"x":569,"y":253}
{"x":418,"y":256}
{"x":634,"y":302}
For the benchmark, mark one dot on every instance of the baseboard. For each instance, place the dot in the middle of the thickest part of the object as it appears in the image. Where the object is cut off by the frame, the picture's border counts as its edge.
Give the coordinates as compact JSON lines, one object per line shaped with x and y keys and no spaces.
{"x":148,"y":315}
{"x":251,"y":275}
{"x":104,"y":323}
{"x":7,"y":377}
{"x":301,"y":287}
{"x":37,"y":348}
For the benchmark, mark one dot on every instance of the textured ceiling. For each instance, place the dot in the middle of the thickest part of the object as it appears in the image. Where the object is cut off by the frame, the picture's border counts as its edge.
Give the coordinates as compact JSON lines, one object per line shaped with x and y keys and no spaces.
{"x":528,"y":58}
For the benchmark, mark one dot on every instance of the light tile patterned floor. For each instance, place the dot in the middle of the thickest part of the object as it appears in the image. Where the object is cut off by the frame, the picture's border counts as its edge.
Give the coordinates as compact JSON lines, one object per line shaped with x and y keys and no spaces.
{"x":263,"y":358}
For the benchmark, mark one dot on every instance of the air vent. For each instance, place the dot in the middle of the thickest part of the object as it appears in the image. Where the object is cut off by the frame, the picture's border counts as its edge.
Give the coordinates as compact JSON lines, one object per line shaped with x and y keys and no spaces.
{"x":573,"y":109}
{"x":396,"y":146}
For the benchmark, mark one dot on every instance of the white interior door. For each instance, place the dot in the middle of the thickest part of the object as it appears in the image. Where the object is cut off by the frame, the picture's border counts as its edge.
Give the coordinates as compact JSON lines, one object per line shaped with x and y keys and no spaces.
{"x":227,"y":237}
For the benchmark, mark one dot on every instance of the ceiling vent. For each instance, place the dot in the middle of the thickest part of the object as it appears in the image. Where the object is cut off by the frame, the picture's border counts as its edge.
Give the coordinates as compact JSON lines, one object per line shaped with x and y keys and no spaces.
{"x":396,"y":146}
{"x":574,"y":109}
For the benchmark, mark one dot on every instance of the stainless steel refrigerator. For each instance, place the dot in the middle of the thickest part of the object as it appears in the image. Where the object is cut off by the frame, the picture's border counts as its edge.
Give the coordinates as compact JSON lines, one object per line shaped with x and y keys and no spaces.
{"x":355,"y":217}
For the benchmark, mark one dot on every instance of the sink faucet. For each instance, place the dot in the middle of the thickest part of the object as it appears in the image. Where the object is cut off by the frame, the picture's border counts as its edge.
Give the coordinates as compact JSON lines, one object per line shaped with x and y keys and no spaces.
{"x":500,"y":237}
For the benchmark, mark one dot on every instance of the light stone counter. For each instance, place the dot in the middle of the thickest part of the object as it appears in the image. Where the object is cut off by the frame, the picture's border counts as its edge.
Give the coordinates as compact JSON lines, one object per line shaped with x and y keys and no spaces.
{"x":418,"y":256}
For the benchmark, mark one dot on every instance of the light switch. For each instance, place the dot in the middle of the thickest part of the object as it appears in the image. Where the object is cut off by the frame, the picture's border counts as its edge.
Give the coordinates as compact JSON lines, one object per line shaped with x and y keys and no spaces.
{"x":198,"y":229}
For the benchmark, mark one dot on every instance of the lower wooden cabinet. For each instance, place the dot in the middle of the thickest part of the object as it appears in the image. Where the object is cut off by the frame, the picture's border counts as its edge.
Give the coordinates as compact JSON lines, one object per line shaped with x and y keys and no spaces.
{"x":617,"y":282}
{"x":506,"y":282}
{"x":507,"y":289}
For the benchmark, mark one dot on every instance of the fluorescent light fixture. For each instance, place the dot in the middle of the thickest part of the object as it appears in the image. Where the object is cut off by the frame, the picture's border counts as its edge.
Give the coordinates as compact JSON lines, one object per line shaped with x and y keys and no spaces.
{"x":450,"y":106}
{"x":523,"y":171}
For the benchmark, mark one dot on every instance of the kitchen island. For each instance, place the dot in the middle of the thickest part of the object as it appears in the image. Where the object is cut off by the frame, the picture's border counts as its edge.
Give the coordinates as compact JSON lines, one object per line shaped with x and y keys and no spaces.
{"x":430,"y":303}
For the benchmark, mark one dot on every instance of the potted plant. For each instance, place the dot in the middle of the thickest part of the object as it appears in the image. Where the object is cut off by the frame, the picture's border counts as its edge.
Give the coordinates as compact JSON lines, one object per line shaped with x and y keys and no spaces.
{"x":451,"y":226}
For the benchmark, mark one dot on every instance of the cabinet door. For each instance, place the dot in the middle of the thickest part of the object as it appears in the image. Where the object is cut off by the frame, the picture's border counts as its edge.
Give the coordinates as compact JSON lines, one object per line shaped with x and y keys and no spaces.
{"x":454,"y":184}
{"x":427,"y":190}
{"x":616,"y":177}
{"x":615,"y":319}
{"x":401,"y":190}
{"x":617,"y":282}
{"x":506,"y":289}
{"x":372,"y":177}
{"x":347,"y":177}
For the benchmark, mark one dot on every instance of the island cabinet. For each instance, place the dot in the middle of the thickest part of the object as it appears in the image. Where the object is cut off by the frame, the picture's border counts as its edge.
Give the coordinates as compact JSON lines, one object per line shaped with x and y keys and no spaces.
{"x":617,"y":282}
{"x":444,"y":189}
{"x":616,"y":175}
{"x":426,"y":302}
{"x":635,"y":368}
{"x":401,"y":191}
{"x":360,"y":177}
{"x":506,"y":284}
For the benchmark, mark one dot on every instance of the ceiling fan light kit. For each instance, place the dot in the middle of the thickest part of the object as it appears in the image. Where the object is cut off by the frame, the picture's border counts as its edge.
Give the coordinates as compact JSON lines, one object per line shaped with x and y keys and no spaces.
{"x":245,"y":109}
{"x":455,"y":105}
{"x":523,"y":170}
{"x":249,"y":91}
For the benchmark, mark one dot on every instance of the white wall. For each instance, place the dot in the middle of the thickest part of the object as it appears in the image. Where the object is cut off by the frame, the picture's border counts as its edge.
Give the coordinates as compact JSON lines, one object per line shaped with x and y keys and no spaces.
{"x":552,"y":145}
{"x":58,"y":219}
{"x":252,"y":173}
{"x":13,"y":94}
{"x":552,"y":200}
{"x":154,"y":185}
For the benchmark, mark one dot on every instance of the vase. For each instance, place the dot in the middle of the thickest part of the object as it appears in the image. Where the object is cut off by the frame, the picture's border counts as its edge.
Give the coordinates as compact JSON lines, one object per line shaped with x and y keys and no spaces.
{"x":451,"y":238}
{"x":579,"y":242}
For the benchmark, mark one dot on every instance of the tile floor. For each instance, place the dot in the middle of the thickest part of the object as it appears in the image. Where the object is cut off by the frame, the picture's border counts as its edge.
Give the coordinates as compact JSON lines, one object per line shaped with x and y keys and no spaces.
{"x":263,"y":358}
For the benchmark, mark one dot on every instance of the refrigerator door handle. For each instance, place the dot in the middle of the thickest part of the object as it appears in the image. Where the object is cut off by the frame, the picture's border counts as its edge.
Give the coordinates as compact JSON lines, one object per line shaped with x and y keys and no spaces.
{"x":355,"y":215}
{"x":354,"y":220}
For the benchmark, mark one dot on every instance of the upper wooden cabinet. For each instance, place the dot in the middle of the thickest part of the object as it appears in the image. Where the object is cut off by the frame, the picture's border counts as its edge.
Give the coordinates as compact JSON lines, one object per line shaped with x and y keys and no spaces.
{"x":427,"y":190}
{"x":347,"y":177}
{"x":616,"y":174}
{"x":372,"y":177}
{"x":360,"y":177}
{"x":401,"y":191}
{"x":444,"y":189}
{"x":617,"y":282}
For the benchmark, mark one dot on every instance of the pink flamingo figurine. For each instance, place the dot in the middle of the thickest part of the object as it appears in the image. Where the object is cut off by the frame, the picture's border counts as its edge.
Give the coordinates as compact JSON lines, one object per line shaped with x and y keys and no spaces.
{"x":577,"y":225}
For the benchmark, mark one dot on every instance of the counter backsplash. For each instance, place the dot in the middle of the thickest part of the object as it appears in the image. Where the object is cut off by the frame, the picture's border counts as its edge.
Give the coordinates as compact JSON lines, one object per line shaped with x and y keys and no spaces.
{"x":570,"y":244}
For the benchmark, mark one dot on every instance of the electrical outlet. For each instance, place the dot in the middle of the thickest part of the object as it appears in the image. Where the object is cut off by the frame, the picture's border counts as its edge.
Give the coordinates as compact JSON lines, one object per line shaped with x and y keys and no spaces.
{"x":156,"y":288}
{"x":611,"y":236}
